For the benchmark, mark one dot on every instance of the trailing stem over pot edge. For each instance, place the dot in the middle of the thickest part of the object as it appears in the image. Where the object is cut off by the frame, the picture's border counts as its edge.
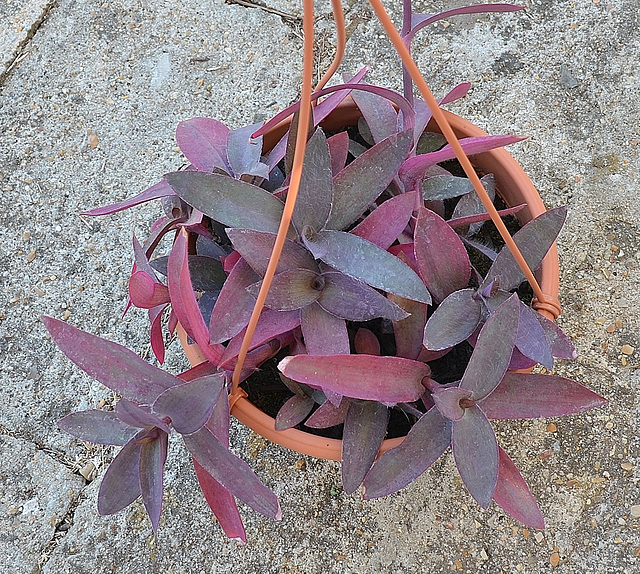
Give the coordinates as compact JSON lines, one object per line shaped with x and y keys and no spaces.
{"x":321,"y":251}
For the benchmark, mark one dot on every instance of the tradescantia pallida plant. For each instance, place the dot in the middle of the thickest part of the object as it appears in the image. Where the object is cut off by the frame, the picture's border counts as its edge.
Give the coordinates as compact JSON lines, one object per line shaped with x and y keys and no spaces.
{"x":383,"y":270}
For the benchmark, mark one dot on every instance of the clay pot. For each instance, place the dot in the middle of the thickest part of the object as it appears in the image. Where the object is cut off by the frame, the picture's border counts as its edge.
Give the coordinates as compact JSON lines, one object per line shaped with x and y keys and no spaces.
{"x":513,"y":186}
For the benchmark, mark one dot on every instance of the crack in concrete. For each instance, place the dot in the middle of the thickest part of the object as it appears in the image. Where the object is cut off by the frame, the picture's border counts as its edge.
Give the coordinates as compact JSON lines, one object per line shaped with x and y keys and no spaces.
{"x":262,"y":6}
{"x":22,"y":52}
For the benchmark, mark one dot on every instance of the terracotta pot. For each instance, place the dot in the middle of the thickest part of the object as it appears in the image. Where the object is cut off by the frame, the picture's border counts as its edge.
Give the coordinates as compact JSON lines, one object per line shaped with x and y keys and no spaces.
{"x":513,"y":186}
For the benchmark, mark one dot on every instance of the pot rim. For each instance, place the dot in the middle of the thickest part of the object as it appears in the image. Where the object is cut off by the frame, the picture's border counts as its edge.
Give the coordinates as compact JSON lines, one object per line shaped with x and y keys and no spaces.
{"x":515,"y":188}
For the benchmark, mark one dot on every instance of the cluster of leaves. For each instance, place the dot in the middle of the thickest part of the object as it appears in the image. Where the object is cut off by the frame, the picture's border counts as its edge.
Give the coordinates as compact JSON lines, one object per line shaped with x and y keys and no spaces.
{"x":369,"y":241}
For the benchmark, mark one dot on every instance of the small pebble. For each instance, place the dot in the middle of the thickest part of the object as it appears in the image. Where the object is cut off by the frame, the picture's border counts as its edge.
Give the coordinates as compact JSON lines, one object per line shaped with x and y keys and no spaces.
{"x":26,"y":236}
{"x":31,"y":256}
{"x":484,"y":555}
{"x":88,"y":471}
{"x":551,"y":427}
{"x":626,"y":466}
{"x":619,"y":323}
{"x":623,"y":303}
{"x":539,"y":537}
{"x":627,"y":349}
{"x":611,"y":328}
{"x":554,"y":559}
{"x":635,"y":511}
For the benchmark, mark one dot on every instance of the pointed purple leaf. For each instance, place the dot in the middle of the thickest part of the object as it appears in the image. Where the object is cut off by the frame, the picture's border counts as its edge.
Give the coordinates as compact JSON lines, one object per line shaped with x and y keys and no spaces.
{"x":121,"y":483}
{"x":424,"y":444}
{"x":530,"y":395}
{"x":203,"y":141}
{"x":328,"y":415}
{"x":293,"y":412}
{"x":206,"y":273}
{"x":183,"y":299}
{"x":162,"y":189}
{"x":291,"y":289}
{"x":155,"y":334}
{"x":232,"y":472}
{"x":354,"y":300}
{"x":470,"y":204}
{"x":256,"y":247}
{"x":229,"y":201}
{"x":447,"y":401}
{"x":366,"y":342}
{"x":455,"y":319}
{"x":313,"y":203}
{"x":190,"y":405}
{"x":244,"y":153}
{"x":365,"y":427}
{"x":363,"y":260}
{"x":531,"y":340}
{"x":513,"y":495}
{"x":324,"y":333}
{"x":378,"y":112}
{"x":414,"y":169}
{"x":482,"y":217}
{"x":561,"y":345}
{"x":100,"y":427}
{"x":232,"y":310}
{"x":441,"y":256}
{"x":145,"y":292}
{"x":113,"y":365}
{"x":409,"y":332}
{"x":387,"y":221}
{"x":338,"y":150}
{"x":386,"y":379}
{"x":360,"y":183}
{"x":134,"y":415}
{"x":534,"y":240}
{"x":492,"y":351}
{"x":153,"y":455}
{"x":439,"y":187}
{"x":475,"y":451}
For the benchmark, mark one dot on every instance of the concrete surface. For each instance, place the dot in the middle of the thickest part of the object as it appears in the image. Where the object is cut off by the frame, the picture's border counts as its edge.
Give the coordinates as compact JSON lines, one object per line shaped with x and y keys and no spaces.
{"x":122,"y":74}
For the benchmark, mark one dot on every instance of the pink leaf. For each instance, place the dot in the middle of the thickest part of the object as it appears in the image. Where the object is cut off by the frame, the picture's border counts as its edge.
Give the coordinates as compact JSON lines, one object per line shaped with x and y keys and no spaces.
{"x":145,"y":292}
{"x":162,"y":189}
{"x":324,"y":333}
{"x":366,"y":343}
{"x":203,"y":141}
{"x":383,"y":226}
{"x":338,"y":150}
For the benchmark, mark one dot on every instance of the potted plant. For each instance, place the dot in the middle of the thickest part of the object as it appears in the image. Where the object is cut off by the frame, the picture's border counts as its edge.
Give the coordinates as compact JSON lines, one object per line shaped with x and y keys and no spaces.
{"x":384,"y":299}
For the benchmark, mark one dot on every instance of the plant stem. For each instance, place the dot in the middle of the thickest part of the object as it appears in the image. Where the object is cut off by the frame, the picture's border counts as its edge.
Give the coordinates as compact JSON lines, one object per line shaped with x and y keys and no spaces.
{"x":296,"y":174}
{"x":451,"y":138}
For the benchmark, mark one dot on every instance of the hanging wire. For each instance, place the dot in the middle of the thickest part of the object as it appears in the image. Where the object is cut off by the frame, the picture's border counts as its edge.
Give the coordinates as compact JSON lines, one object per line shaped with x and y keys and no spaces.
{"x":341,"y":36}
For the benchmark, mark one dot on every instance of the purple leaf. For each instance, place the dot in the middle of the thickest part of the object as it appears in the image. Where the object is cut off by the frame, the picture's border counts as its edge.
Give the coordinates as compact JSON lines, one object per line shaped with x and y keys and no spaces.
{"x":378,"y":112}
{"x":364,"y":429}
{"x":354,"y":300}
{"x":244,"y":153}
{"x":155,"y":335}
{"x":363,"y":260}
{"x":232,"y":472}
{"x":316,"y":188}
{"x":153,"y":455}
{"x":561,"y":345}
{"x":492,"y":351}
{"x":227,"y":200}
{"x":447,"y":401}
{"x":328,"y":415}
{"x":203,"y":141}
{"x":440,"y":187}
{"x":424,"y":444}
{"x":121,"y":483}
{"x":291,"y":289}
{"x":233,"y":308}
{"x":256,"y":247}
{"x":383,"y":226}
{"x":534,"y":240}
{"x":100,"y":427}
{"x":145,"y":292}
{"x":206,"y":273}
{"x":190,"y":405}
{"x":293,"y":412}
{"x":531,"y":340}
{"x":470,"y":204}
{"x":367,"y":377}
{"x":513,"y":495}
{"x":222,"y":504}
{"x":183,"y":299}
{"x":162,"y":189}
{"x":409,"y":332}
{"x":338,"y":150}
{"x":475,"y":451}
{"x":134,"y":415}
{"x":360,"y":183}
{"x":419,"y":21}
{"x":414,"y":169}
{"x":113,"y":365}
{"x":270,"y":325}
{"x":441,"y":256}
{"x":482,"y":217}
{"x":455,"y":319}
{"x":366,"y":342}
{"x":324,"y":333}
{"x":530,"y":396}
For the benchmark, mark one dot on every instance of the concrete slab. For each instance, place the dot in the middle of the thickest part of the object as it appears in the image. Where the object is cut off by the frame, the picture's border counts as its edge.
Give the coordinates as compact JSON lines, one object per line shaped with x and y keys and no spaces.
{"x":566,"y":73}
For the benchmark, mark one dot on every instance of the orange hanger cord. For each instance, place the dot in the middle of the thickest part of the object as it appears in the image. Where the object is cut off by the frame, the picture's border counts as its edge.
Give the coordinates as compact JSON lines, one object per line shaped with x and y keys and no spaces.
{"x":341,"y":36}
{"x":451,"y":138}
{"x":292,"y":194}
